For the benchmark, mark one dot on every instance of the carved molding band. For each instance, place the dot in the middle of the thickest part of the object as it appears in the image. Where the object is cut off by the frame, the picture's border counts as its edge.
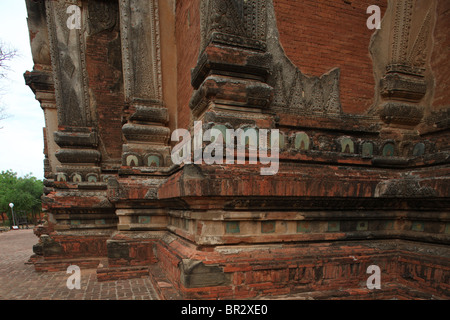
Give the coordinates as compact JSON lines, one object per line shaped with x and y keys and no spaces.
{"x":139,"y":21}
{"x":401,"y":113}
{"x":398,"y":86}
{"x":234,"y":22}
{"x":406,"y":77}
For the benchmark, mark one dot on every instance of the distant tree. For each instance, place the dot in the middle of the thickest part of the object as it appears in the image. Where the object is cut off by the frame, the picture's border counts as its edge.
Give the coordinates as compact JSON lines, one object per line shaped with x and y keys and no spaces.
{"x":6,"y":55}
{"x":24,"y":192}
{"x":3,"y":115}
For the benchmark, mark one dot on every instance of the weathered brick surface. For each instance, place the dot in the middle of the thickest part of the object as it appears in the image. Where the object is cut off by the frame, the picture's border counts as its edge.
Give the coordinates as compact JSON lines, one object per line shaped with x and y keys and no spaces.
{"x":19,"y":280}
{"x":187,"y":30}
{"x":319,"y":36}
{"x":354,"y":188}
{"x":104,"y":61}
{"x":138,"y":253}
{"x":107,"y":273}
{"x":439,"y":61}
{"x":88,"y":246}
{"x":334,"y":270}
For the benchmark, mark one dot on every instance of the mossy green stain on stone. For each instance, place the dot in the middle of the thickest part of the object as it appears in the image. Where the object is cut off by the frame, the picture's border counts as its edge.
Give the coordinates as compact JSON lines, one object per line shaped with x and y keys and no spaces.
{"x":417,"y":226}
{"x":333,"y":226}
{"x":389,"y":225}
{"x":301,"y":141}
{"x":132,"y":161}
{"x":303,"y":226}
{"x":268,"y":226}
{"x":144,"y":219}
{"x":419,"y":150}
{"x":77,"y":178}
{"x":232,"y":227}
{"x":347,"y":145}
{"x":223,"y":129}
{"x":153,"y":161}
{"x":388,"y":150}
{"x":92,"y":178}
{"x":100,"y":221}
{"x":367,"y":150}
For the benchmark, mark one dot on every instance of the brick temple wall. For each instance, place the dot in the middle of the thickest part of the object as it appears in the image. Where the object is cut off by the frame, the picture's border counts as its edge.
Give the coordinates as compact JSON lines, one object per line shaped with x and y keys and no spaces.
{"x":104,"y":67}
{"x":363,"y":157}
{"x":187,"y":33}
{"x":321,"y":35}
{"x":439,"y":62}
{"x":327,"y":269}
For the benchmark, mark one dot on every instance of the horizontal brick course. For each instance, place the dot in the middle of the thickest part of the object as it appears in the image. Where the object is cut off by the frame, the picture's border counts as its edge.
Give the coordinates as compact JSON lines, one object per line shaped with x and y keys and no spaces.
{"x":20,"y":281}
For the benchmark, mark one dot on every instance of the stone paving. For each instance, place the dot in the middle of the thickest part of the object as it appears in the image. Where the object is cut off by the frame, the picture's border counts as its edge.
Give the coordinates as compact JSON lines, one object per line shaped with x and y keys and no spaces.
{"x":19,"y":280}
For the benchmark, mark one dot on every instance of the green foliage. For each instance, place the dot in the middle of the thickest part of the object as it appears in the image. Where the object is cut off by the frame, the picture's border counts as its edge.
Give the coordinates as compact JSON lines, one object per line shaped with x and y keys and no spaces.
{"x":24,"y":192}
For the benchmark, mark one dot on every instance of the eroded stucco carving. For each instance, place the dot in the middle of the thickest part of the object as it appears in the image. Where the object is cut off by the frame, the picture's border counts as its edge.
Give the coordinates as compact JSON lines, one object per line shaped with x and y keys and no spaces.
{"x":139,"y":21}
{"x":67,"y":48}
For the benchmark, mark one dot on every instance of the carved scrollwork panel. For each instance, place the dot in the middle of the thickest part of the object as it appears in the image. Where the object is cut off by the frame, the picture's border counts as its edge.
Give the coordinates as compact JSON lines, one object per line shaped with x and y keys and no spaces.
{"x":234,"y":22}
{"x":67,"y":48}
{"x":141,"y":49}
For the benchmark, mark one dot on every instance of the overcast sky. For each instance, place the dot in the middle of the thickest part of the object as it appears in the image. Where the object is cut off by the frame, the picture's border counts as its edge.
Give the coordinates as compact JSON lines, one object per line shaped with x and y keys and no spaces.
{"x":21,"y":137}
